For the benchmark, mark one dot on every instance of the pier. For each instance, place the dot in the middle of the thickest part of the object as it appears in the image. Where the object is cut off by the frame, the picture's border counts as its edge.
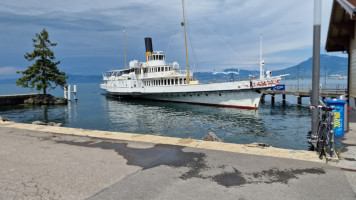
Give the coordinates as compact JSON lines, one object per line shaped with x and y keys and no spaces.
{"x":305,"y":91}
{"x":31,"y":99}
{"x":16,"y":99}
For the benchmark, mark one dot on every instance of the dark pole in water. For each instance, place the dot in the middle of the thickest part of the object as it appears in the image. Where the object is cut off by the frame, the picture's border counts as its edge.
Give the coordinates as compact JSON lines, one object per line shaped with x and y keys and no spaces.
{"x":316,"y":68}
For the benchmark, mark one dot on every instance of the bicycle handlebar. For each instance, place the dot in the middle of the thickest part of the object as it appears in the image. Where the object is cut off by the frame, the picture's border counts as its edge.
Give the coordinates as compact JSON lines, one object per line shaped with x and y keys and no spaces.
{"x":321,"y":102}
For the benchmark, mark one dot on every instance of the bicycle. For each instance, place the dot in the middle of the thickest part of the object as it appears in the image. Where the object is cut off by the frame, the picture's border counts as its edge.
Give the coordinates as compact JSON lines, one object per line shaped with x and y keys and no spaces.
{"x":324,"y":138}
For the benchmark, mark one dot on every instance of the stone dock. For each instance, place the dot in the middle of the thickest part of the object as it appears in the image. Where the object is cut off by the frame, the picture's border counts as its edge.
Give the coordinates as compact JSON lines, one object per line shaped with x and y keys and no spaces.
{"x":41,"y":162}
{"x":16,"y":99}
{"x":38,"y":99}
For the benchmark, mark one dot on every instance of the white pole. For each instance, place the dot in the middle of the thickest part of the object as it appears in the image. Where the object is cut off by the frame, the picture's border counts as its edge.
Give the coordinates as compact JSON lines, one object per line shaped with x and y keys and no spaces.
{"x":65,"y":92}
{"x":68,"y":92}
{"x":261,"y":65}
{"x":75,"y":92}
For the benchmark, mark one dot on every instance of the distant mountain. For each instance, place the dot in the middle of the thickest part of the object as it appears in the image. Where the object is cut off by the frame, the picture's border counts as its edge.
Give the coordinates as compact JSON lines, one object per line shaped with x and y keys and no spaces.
{"x":333,"y":64}
{"x":73,"y":79}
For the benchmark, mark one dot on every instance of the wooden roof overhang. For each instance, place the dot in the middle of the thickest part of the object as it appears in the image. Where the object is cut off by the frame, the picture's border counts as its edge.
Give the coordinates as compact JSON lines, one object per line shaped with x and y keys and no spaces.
{"x":342,"y":26}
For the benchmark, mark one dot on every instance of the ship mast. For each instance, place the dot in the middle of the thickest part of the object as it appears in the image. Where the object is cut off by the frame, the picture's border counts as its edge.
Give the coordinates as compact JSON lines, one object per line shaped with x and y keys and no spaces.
{"x":123,"y":30}
{"x":261,"y":60}
{"x":185,"y":38}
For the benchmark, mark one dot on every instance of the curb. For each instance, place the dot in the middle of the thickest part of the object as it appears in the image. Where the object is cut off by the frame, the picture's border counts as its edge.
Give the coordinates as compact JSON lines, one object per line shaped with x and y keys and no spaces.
{"x":200,"y":144}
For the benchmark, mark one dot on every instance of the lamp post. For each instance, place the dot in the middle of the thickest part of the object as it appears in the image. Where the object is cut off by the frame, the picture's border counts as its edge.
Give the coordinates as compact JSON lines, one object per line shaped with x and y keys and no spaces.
{"x":314,"y":100}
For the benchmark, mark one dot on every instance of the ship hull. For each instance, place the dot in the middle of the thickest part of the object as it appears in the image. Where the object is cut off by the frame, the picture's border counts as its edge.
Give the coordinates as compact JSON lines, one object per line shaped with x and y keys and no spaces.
{"x":240,"y":94}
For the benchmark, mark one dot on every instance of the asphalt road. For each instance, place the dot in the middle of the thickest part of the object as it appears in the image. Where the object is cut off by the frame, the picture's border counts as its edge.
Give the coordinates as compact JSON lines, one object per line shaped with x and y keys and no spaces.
{"x":38,"y":165}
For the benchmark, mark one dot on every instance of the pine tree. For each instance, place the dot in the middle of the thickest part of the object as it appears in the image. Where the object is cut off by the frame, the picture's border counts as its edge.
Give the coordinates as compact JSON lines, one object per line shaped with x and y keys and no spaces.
{"x":44,"y":71}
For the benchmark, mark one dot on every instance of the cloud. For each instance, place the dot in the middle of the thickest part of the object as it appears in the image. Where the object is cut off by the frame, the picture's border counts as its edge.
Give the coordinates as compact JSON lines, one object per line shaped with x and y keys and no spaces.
{"x":8,"y":70}
{"x":223,"y":32}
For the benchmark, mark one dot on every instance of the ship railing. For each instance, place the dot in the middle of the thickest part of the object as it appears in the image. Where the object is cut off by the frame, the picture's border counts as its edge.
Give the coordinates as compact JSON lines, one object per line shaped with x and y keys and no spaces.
{"x":105,"y":77}
{"x":164,"y":74}
{"x":183,"y":72}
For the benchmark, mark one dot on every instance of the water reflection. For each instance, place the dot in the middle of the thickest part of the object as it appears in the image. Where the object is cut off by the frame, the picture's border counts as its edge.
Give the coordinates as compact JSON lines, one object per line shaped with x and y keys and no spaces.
{"x":183,"y":120}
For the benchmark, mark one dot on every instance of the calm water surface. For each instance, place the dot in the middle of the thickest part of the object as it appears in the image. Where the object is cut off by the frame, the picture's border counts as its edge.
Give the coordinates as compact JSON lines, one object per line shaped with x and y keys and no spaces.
{"x":280,"y":125}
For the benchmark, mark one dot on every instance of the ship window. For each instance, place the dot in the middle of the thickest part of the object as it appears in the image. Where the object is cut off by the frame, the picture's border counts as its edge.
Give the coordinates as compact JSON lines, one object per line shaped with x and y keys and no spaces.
{"x":176,"y":81}
{"x":180,"y":81}
{"x":165,"y":82}
{"x":156,"y":57}
{"x":160,"y":57}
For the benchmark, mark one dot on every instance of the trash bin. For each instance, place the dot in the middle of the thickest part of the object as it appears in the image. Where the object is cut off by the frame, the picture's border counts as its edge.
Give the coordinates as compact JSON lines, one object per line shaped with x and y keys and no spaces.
{"x":338,"y":106}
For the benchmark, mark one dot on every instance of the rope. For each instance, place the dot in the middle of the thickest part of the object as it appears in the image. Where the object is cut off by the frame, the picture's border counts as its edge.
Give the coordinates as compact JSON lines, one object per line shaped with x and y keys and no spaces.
{"x":190,"y":41}
{"x":227,"y":45}
{"x":171,"y":40}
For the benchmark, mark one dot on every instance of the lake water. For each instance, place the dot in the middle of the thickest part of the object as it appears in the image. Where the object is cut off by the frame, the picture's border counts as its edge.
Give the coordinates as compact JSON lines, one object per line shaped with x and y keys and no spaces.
{"x":279,"y":125}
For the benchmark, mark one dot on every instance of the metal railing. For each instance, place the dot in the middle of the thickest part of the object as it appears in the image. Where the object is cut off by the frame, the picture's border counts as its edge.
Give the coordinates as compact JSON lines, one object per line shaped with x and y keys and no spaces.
{"x":331,"y":87}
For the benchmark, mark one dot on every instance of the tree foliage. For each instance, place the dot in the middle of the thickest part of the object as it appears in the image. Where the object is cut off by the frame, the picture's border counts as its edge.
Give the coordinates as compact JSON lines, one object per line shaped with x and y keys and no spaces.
{"x":43,"y":74}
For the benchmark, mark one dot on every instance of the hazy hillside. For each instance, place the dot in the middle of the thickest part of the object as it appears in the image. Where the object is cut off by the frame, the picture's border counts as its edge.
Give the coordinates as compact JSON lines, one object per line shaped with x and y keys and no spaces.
{"x":334,"y":65}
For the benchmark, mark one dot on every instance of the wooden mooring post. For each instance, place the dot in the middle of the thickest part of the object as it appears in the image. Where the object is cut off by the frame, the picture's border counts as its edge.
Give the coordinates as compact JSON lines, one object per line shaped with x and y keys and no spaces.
{"x":299,"y":100}
{"x":272,"y":98}
{"x":263,"y":97}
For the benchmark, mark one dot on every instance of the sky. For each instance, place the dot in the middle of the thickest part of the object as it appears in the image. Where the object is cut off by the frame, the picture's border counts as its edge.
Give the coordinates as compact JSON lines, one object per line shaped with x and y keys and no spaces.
{"x":221,"y":33}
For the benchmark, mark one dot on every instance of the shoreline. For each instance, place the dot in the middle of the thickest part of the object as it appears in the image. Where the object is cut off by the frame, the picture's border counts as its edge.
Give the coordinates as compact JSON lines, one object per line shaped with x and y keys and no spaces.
{"x":252,"y":149}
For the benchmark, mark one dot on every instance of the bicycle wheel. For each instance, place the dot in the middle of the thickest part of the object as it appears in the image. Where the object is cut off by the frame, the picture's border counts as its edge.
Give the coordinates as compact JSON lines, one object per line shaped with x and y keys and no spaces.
{"x":321,"y":140}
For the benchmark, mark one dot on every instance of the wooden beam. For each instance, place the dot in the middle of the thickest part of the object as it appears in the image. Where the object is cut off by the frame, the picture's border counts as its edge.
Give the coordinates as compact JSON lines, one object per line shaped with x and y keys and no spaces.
{"x":342,"y":41}
{"x":349,"y":27}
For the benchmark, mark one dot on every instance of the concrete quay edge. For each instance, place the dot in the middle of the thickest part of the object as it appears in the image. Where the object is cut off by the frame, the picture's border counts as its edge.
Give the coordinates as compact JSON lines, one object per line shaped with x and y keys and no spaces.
{"x":220,"y":146}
